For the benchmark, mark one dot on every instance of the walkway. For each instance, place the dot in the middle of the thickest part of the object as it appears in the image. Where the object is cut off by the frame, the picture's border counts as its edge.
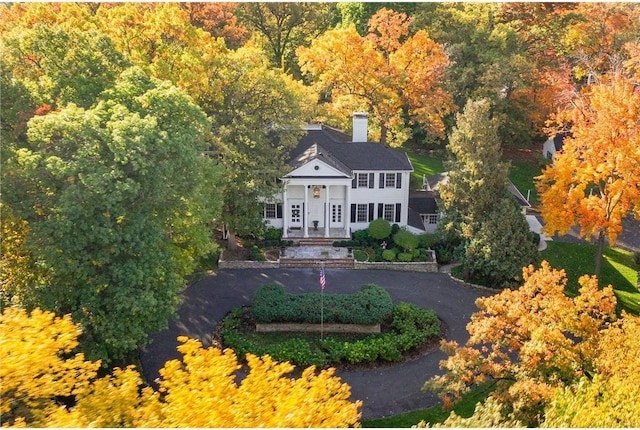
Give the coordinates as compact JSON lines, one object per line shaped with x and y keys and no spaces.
{"x":384,"y":391}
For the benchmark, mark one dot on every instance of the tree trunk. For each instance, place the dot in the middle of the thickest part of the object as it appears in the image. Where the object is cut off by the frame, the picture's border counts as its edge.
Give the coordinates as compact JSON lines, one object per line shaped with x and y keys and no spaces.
{"x":383,"y":134}
{"x":232,"y":243}
{"x":599,"y":251}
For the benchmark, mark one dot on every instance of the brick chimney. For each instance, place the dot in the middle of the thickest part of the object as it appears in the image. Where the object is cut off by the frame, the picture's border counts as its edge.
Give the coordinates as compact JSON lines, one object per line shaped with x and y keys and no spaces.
{"x":360,"y":127}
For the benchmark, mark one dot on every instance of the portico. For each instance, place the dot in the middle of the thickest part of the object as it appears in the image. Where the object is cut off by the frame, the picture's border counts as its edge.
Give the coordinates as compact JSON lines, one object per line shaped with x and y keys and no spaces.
{"x":316,"y":207}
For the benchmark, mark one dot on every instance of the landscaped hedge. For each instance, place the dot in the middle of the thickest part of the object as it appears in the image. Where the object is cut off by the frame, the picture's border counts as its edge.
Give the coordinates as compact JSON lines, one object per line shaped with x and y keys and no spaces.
{"x":410,"y":328}
{"x":370,"y":305}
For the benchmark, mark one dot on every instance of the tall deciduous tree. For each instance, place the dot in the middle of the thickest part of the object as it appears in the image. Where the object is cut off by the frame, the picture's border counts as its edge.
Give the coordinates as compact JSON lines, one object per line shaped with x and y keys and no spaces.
{"x":387,"y":73}
{"x":593,"y":183}
{"x":257,"y":119}
{"x":200,"y":390}
{"x":286,"y":26}
{"x":117,"y":199}
{"x":531,"y":341}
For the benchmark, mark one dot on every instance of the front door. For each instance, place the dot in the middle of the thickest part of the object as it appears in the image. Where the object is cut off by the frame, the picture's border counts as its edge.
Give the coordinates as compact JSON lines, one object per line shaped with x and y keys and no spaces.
{"x":336,"y":214}
{"x":296,"y":213}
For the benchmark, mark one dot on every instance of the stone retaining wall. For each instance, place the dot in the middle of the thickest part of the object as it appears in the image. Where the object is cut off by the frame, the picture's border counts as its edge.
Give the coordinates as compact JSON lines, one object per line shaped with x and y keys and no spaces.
{"x":329,"y":328}
{"x":402,"y":267}
{"x":248,"y":264}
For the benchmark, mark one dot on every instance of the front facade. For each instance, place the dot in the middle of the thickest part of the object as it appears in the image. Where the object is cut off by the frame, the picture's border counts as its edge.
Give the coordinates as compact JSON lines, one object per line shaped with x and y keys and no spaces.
{"x":339,"y":184}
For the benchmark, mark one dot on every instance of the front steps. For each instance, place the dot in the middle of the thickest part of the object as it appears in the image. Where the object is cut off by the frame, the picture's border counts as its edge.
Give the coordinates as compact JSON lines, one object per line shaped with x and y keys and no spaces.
{"x":317,"y":241}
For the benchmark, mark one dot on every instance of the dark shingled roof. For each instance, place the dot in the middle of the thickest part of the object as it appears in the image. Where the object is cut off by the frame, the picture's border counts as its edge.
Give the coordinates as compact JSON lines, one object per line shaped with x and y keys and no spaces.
{"x":337,"y":147}
{"x":423,"y":202}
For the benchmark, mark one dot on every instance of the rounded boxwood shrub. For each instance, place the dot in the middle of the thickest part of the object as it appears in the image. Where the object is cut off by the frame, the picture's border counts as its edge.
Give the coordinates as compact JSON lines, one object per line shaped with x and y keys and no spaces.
{"x":389,"y":255}
{"x":379,"y":229}
{"x":405,"y":257}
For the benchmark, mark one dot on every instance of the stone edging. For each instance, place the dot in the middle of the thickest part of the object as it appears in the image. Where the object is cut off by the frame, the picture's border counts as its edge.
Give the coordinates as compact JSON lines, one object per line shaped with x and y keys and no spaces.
{"x":329,"y":328}
{"x":469,"y":284}
{"x":422,"y":266}
{"x":247,"y":264}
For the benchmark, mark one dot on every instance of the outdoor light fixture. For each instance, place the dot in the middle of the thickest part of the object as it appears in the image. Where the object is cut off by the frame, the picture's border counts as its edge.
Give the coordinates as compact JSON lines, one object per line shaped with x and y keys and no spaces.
{"x":316,"y":192}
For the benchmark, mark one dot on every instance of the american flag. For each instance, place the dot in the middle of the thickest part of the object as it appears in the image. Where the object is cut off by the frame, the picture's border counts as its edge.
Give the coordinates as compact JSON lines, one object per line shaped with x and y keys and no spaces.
{"x":323,"y":278}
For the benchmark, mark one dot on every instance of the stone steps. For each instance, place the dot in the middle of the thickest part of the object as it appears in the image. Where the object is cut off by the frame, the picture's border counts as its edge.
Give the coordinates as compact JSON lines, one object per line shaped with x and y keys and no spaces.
{"x":331,"y":263}
{"x":317,"y":241}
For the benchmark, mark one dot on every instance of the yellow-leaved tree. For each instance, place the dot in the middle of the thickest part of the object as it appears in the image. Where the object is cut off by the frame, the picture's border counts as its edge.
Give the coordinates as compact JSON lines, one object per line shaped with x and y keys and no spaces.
{"x":531,"y":341}
{"x":199,"y":391}
{"x":594,"y":182}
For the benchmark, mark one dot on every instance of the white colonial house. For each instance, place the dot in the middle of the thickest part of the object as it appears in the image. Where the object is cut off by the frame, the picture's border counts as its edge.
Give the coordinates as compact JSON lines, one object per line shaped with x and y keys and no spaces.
{"x":339,"y":183}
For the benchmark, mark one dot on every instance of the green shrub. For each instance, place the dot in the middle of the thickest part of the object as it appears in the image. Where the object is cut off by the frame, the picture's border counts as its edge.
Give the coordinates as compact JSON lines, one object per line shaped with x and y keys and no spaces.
{"x":410,"y":327}
{"x":360,"y":255}
{"x":379,"y":229}
{"x":427,"y":240}
{"x":256,"y":254}
{"x":369,"y":306}
{"x":389,"y":254}
{"x":273,"y":234}
{"x":406,"y":240}
{"x":405,"y":257}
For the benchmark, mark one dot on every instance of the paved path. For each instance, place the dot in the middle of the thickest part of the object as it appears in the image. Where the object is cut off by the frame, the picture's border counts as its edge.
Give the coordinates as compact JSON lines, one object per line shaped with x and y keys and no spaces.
{"x":385,"y":391}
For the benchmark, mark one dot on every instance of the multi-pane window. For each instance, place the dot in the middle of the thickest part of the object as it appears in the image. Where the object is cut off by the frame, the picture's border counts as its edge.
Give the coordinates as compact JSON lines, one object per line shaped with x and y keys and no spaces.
{"x":272,"y":210}
{"x":390,"y":180}
{"x":336,"y":213}
{"x":362,"y":212}
{"x":363,"y":180}
{"x":430,"y":219}
{"x":389,"y":212}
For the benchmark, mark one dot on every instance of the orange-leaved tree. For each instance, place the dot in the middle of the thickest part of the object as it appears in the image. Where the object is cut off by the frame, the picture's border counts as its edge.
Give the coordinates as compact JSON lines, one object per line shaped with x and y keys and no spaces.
{"x":530,"y":341}
{"x":199,"y":391}
{"x":595,"y":181}
{"x":386,"y":73}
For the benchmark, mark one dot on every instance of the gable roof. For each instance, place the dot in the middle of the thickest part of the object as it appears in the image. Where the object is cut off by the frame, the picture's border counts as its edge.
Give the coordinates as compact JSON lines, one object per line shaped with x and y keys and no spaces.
{"x":337,"y":150}
{"x":433,"y":183}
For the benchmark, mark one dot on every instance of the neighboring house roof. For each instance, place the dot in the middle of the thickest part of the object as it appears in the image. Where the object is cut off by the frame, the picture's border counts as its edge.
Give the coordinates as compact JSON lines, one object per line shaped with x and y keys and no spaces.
{"x":558,"y":140}
{"x":433,"y":183}
{"x":337,"y":149}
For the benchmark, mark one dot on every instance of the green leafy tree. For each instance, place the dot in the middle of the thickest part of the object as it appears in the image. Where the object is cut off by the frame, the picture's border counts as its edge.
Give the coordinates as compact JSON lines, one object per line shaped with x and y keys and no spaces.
{"x":257,"y":118}
{"x":286,"y":26}
{"x":478,"y":209}
{"x":379,"y":229}
{"x":407,"y":240}
{"x":117,"y":199}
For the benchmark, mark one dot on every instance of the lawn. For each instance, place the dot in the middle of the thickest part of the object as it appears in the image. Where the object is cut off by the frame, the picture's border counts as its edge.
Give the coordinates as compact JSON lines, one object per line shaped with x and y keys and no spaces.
{"x":522,"y":174}
{"x":434,"y":414}
{"x":425,"y":164}
{"x":618,"y":269}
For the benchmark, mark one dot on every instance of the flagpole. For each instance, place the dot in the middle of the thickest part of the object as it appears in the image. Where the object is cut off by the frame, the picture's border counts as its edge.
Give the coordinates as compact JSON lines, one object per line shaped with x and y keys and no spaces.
{"x":322,"y":305}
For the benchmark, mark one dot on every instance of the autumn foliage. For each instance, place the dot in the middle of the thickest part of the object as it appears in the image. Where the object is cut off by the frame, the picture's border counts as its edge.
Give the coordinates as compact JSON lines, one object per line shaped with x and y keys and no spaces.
{"x":593,"y":182}
{"x":199,"y":391}
{"x":531,"y":342}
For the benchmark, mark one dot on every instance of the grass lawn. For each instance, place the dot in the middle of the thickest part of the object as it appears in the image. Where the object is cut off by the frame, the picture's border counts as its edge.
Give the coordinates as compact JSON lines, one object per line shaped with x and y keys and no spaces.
{"x":434,"y":414}
{"x":427,"y":164}
{"x":522,"y":174}
{"x":618,"y":269}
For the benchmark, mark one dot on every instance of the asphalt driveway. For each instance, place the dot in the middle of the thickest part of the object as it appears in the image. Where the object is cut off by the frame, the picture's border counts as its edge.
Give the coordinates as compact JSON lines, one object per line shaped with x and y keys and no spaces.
{"x":384,"y":391}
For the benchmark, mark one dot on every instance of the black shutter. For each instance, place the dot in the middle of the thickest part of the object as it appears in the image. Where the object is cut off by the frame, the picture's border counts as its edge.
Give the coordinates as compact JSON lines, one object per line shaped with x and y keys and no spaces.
{"x":279,"y":210}
{"x":381,"y":185}
{"x":380,"y":210}
{"x":398,"y":211}
{"x":371,"y":209}
{"x":398,"y":180}
{"x":372,"y":180}
{"x":354,"y":183}
{"x":353,"y":212}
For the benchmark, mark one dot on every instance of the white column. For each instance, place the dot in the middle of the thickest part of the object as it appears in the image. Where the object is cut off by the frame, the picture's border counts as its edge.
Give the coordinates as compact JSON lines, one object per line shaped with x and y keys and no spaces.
{"x":347,"y":209}
{"x":305,"y":212}
{"x":327,"y":213}
{"x":285,"y":210}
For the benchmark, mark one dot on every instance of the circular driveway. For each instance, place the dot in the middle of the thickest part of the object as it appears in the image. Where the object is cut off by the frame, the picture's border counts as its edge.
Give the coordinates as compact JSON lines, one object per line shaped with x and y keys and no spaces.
{"x":384,"y":391}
